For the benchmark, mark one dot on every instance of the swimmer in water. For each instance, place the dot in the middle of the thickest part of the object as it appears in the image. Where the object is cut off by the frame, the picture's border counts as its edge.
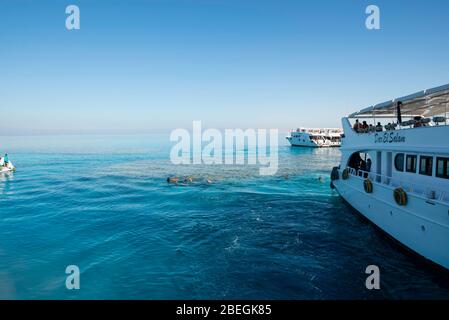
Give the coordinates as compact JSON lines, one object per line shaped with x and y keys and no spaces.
{"x":172,"y":180}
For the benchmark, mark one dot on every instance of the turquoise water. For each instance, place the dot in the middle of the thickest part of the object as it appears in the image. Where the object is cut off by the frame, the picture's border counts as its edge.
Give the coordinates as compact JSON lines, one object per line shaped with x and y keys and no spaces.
{"x":102,"y":203}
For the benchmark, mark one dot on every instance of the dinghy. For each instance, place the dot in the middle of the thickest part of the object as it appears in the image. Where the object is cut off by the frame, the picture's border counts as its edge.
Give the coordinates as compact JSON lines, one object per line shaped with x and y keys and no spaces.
{"x":9,"y":167}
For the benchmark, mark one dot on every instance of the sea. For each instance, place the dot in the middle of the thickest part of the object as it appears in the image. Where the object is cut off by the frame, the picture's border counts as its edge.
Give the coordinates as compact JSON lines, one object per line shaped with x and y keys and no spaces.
{"x":102,"y":203}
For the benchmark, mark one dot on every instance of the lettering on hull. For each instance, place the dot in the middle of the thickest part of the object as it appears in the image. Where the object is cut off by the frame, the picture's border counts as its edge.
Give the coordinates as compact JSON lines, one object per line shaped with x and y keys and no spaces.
{"x":389,"y":137}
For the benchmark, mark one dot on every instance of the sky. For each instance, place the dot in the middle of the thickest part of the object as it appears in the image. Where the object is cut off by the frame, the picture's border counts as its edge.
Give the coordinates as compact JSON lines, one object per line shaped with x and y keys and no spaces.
{"x":153,"y":66}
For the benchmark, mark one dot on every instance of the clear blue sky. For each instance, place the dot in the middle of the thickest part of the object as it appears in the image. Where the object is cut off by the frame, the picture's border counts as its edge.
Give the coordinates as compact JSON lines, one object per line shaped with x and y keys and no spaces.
{"x":151,"y":66}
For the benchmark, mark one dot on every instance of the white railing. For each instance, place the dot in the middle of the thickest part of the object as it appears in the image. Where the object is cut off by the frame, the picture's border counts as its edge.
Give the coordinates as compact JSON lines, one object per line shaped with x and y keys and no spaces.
{"x":425,"y":192}
{"x":320,"y":131}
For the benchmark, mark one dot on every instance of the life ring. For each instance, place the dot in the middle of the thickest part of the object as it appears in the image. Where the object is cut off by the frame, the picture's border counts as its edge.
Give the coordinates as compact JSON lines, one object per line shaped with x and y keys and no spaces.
{"x":400,"y":196}
{"x":334,"y":174}
{"x":368,"y":186}
{"x":345,"y":174}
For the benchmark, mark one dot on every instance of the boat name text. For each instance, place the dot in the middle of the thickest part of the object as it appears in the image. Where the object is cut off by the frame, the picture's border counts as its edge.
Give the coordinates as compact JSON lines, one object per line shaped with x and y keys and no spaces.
{"x":388,"y":137}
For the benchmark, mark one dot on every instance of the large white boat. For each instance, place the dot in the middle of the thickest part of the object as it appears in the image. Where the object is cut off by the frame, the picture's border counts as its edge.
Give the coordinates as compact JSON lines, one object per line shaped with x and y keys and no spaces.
{"x":315,"y":137}
{"x":396,"y":172}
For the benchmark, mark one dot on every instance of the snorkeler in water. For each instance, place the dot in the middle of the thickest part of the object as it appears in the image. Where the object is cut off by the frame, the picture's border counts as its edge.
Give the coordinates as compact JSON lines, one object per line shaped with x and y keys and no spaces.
{"x":172,"y":180}
{"x":186,"y":180}
{"x":177,"y":180}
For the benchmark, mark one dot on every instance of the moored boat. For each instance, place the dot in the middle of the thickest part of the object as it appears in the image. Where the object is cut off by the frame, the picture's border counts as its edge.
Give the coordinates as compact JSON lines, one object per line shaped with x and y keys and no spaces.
{"x":315,"y":137}
{"x":396,"y":171}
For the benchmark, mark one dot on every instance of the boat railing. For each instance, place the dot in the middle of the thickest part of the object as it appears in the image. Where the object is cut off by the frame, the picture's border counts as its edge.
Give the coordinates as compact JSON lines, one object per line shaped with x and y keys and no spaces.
{"x":410,"y":124}
{"x":319,"y":130}
{"x":429,"y":193}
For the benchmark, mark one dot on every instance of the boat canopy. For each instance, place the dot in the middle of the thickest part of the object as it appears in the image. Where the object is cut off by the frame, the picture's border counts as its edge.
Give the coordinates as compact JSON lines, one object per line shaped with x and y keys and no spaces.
{"x":424,"y":103}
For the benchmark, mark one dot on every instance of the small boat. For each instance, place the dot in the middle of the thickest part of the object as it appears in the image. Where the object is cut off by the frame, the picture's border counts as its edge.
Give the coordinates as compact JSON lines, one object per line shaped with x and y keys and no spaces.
{"x":9,"y":167}
{"x":315,"y":137}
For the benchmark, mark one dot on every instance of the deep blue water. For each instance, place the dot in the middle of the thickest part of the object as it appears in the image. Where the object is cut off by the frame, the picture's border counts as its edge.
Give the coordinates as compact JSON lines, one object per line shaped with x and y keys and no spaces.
{"x":103,"y":203}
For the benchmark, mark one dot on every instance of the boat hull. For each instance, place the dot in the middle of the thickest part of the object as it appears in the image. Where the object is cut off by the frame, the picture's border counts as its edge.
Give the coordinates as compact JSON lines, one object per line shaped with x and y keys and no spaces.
{"x":10,"y":168}
{"x":310,"y":144}
{"x":420,"y":225}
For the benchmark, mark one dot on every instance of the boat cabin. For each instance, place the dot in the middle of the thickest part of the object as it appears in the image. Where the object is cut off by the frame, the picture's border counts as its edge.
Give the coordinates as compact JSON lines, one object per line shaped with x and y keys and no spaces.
{"x":402,"y":142}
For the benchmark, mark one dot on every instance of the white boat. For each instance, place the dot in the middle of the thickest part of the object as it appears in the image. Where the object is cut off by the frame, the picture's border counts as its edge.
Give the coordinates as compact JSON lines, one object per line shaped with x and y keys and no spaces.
{"x":315,"y":137}
{"x":8,"y":168}
{"x":398,"y":176}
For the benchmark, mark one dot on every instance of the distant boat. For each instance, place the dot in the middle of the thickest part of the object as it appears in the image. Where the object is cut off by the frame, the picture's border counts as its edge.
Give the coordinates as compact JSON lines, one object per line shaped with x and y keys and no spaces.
{"x":8,"y":168}
{"x":315,"y":137}
{"x":397,"y":176}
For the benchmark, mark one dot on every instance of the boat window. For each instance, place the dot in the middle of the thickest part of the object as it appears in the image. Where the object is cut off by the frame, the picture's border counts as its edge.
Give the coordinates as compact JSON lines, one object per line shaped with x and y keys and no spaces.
{"x":411,"y":163}
{"x":425,"y":165}
{"x":443,"y":168}
{"x":360,"y":161}
{"x":399,"y":162}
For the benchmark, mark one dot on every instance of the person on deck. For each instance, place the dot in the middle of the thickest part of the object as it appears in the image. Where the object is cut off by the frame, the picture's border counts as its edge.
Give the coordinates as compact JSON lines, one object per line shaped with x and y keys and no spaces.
{"x":362,"y":165}
{"x":368,"y":165}
{"x":379,"y":127}
{"x":365,"y":126}
{"x":356,"y":126}
{"x":418,"y":122}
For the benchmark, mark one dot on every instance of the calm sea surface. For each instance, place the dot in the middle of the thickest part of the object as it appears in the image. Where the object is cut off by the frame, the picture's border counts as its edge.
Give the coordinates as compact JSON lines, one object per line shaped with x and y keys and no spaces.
{"x":102,"y":203}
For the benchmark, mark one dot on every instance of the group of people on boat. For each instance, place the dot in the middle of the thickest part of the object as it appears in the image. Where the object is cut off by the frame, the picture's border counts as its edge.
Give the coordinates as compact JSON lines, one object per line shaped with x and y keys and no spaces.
{"x":416,"y":122}
{"x":420,"y":122}
{"x":362,"y":166}
{"x":364,"y":127}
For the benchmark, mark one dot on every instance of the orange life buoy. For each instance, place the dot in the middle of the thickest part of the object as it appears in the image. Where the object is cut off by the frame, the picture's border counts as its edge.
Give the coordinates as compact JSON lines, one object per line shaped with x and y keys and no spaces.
{"x":400,"y":196}
{"x":334,"y":174}
{"x":368,"y":186}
